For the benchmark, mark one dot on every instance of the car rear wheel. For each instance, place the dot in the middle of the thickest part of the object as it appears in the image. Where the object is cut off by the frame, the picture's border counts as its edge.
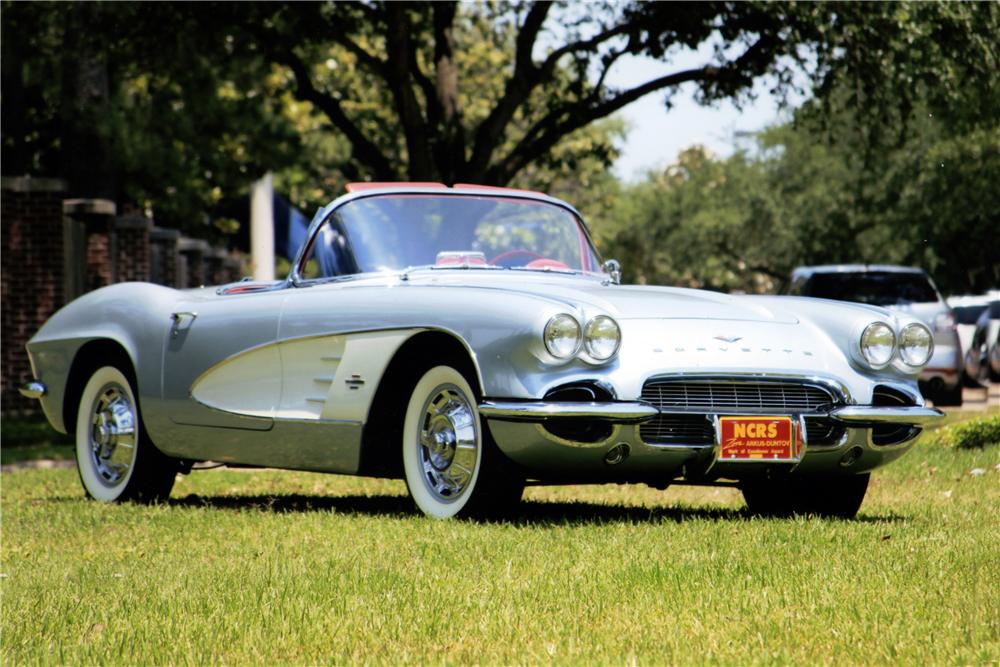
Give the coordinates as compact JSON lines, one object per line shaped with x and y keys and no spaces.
{"x":451,"y":465}
{"x":834,"y":496}
{"x":114,"y":457}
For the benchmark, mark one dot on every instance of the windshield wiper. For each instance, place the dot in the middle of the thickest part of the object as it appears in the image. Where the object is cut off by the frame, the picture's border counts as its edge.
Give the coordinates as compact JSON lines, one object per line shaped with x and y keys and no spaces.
{"x":459,"y":267}
{"x":547,"y":269}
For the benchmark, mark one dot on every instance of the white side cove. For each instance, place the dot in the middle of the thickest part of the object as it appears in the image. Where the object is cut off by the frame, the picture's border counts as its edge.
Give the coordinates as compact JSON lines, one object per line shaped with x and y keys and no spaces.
{"x":327,"y":378}
{"x":247,"y":384}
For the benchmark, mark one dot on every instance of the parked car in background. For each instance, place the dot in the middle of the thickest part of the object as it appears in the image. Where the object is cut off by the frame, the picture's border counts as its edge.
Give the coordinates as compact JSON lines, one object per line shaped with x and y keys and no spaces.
{"x":900,"y":288}
{"x":469,"y":340}
{"x":982,"y":359}
{"x":967,"y":310}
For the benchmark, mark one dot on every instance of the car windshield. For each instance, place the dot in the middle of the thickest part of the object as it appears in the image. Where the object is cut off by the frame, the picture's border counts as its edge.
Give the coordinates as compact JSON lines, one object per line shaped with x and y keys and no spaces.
{"x":405,"y":231}
{"x":968,"y":314}
{"x":878,"y":288}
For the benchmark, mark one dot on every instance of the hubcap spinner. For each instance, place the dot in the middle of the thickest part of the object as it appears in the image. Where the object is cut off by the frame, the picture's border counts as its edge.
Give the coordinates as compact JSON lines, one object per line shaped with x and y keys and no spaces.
{"x":449,"y":442}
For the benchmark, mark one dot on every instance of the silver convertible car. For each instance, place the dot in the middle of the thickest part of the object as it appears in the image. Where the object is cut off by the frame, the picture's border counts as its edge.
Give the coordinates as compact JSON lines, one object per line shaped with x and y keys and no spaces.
{"x":470,"y":340}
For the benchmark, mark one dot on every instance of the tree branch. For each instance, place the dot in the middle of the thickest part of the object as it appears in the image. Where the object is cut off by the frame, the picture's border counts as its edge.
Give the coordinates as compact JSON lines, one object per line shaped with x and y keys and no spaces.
{"x":516,"y":91}
{"x":450,"y":149}
{"x":527,"y":76}
{"x":568,"y":118}
{"x":363,"y":149}
{"x":374,"y":64}
{"x":563,"y":120}
{"x":415,"y":128}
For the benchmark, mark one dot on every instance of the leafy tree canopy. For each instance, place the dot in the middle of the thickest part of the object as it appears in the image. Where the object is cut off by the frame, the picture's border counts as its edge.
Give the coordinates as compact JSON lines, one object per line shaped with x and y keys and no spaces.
{"x":179,"y":104}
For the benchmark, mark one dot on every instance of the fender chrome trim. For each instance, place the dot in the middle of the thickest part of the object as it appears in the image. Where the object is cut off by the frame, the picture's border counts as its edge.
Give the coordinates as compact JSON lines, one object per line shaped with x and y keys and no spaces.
{"x":870,"y":414}
{"x":33,"y":389}
{"x":536,"y":411}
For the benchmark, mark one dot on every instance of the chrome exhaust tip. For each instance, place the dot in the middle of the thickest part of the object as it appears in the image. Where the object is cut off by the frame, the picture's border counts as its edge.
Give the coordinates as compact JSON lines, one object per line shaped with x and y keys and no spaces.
{"x":617,"y":454}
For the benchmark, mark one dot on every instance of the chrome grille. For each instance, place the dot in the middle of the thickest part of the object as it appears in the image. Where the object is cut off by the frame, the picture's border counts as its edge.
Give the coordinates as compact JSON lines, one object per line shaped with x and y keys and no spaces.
{"x":728,"y":397}
{"x":696,"y":429}
{"x":691,"y":429}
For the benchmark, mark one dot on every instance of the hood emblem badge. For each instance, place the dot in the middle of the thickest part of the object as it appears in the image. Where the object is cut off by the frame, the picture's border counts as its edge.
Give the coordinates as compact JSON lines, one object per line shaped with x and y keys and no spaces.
{"x":729,"y":339}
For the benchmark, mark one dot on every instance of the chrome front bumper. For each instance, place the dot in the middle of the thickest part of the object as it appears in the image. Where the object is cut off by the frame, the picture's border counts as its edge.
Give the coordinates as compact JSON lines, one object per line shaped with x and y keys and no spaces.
{"x":859,"y":415}
{"x":636,"y":412}
{"x":522,"y":431}
{"x":538,"y":411}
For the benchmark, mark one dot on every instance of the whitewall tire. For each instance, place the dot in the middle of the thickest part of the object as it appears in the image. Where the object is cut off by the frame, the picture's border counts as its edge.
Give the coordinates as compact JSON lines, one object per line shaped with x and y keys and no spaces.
{"x":442,"y":443}
{"x":115,"y":460}
{"x":451,"y":464}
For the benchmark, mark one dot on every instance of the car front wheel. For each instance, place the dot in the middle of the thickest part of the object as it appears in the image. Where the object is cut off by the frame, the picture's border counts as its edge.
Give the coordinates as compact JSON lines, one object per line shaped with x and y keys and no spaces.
{"x":834,"y":496}
{"x":451,"y":464}
{"x":114,"y":457}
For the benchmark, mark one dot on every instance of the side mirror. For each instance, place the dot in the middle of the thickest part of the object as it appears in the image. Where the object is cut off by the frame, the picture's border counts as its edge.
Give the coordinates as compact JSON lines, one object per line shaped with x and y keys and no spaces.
{"x":614,"y":270}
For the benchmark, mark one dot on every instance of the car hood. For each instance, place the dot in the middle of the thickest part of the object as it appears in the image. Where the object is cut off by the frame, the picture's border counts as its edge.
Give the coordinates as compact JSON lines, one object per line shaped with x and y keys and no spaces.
{"x":623,"y":302}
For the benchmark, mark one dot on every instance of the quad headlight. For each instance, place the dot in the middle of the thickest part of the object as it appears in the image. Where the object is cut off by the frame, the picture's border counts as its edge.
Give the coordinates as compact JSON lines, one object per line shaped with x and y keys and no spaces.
{"x":597,"y":342}
{"x":601,"y":338}
{"x":878,"y":344}
{"x":916,"y":344}
{"x":562,"y":336}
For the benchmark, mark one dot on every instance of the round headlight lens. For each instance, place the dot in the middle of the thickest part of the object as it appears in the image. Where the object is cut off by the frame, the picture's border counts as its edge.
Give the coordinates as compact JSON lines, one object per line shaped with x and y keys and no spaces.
{"x":915,"y":344}
{"x":602,"y":337}
{"x":878,"y":342}
{"x":562,"y":336}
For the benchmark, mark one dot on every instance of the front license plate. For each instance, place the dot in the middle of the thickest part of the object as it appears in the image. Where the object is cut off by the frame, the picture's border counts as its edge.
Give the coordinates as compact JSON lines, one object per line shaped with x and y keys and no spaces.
{"x":756,"y":439}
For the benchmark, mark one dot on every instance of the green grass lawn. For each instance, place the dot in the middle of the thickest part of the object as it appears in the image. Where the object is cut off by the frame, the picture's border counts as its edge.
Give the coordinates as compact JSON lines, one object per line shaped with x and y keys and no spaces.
{"x":268,"y":567}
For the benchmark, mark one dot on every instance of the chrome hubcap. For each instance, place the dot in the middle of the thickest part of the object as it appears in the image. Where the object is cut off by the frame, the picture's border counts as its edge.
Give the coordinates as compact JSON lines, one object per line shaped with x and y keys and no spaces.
{"x":112,"y":434}
{"x":448,"y":442}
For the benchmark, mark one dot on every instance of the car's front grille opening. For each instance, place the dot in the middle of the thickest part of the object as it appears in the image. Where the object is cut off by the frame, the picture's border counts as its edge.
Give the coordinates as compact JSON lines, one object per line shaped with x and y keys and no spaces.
{"x":823,"y":432}
{"x":892,"y":434}
{"x":728,"y":396}
{"x":887,"y":396}
{"x":667,"y":429}
{"x":576,"y":429}
{"x":698,"y":429}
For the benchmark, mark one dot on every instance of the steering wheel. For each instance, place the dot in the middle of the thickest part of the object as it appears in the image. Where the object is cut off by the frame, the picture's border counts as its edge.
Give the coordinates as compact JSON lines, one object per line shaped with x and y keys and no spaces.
{"x":517,"y":252}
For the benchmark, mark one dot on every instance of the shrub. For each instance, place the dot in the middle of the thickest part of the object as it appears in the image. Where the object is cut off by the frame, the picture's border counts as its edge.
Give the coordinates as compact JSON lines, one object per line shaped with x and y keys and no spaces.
{"x":975,"y":433}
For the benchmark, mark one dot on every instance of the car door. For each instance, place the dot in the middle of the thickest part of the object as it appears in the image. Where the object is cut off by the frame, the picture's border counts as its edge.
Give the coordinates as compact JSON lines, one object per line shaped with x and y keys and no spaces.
{"x":221,"y":365}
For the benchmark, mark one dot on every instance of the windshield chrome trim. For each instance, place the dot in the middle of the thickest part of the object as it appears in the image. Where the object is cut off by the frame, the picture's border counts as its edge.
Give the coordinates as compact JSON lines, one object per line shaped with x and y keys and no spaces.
{"x":295,"y":279}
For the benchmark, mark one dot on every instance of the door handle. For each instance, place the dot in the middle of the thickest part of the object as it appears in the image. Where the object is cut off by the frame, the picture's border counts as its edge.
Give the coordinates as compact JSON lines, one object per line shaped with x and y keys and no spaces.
{"x":182,"y":322}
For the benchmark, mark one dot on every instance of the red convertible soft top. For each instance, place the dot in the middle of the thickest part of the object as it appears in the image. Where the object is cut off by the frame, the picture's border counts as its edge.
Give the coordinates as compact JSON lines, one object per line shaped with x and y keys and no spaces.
{"x":379,"y":185}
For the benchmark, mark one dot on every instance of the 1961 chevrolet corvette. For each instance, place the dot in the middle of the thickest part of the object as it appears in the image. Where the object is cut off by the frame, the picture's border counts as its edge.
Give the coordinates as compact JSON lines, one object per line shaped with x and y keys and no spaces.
{"x":470,"y":340}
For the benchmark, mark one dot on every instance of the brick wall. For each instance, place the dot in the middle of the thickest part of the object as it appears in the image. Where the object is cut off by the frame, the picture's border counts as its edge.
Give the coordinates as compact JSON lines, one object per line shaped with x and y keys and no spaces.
{"x":132,"y":248}
{"x":55,"y":249}
{"x":194,"y":251}
{"x":164,"y":260}
{"x":31,"y":284}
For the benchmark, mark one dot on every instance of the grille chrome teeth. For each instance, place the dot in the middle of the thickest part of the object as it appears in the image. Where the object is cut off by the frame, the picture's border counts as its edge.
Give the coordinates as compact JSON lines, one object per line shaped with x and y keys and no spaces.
{"x":713,"y":397}
{"x":709,"y":396}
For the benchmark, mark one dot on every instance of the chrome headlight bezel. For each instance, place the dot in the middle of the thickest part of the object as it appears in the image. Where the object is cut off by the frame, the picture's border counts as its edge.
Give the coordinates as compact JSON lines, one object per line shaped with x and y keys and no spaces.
{"x":877,"y":328}
{"x":590,"y":333}
{"x":549,"y":333}
{"x":915,"y":328}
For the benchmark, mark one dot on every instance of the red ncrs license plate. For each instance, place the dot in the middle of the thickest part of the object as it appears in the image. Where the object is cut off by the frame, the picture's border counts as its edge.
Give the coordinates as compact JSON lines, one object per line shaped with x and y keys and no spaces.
{"x":757,"y":439}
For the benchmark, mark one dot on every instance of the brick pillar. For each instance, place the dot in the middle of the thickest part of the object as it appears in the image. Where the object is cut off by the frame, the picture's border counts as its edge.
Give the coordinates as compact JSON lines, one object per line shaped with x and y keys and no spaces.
{"x":233,"y":268}
{"x":132,"y":248}
{"x":97,"y":219}
{"x":193,"y":251}
{"x":164,"y":258}
{"x":31,"y":276}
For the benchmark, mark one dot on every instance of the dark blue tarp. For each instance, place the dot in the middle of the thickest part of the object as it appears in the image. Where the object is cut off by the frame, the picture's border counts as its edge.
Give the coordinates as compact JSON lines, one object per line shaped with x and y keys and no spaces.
{"x":290,"y":225}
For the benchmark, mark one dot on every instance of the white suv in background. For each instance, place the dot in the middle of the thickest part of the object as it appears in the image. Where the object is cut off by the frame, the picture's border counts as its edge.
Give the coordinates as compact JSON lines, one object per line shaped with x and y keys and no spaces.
{"x":903,"y":288}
